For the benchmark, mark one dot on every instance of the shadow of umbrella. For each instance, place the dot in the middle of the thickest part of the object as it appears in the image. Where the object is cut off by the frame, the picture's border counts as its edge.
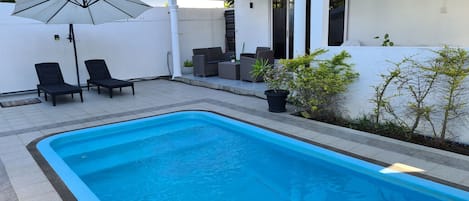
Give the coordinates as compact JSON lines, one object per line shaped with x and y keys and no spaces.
{"x":79,"y":12}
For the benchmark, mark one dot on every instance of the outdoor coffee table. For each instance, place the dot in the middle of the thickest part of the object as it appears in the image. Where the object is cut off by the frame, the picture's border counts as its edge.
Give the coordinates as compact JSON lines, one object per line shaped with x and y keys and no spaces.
{"x":228,"y":70}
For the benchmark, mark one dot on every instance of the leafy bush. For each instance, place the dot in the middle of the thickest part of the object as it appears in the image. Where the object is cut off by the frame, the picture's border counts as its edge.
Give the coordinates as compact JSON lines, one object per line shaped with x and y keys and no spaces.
{"x":318,"y":84}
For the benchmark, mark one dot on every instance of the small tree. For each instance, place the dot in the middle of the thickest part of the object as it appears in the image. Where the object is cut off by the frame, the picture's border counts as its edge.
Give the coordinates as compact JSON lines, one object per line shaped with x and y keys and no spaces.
{"x":412,"y":80}
{"x":451,"y":64}
{"x":418,"y":82}
{"x":380,"y":100}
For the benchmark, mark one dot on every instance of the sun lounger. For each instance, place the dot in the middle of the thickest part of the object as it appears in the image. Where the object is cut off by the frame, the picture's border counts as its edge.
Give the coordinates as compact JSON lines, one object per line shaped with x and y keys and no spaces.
{"x":51,"y":82}
{"x":100,"y":76}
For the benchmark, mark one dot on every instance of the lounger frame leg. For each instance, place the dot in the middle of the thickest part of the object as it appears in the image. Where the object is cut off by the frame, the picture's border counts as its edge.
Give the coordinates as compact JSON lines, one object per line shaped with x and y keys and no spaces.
{"x":81,"y":96}
{"x":53,"y":100}
{"x":110,"y":92}
{"x":133,"y":91}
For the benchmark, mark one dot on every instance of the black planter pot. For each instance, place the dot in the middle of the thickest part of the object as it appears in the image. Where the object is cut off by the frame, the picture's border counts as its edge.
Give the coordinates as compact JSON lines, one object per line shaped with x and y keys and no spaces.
{"x":277,"y":100}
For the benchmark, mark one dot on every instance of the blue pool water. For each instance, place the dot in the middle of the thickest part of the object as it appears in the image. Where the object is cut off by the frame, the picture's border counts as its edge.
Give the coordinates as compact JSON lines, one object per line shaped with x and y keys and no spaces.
{"x":192,"y":156}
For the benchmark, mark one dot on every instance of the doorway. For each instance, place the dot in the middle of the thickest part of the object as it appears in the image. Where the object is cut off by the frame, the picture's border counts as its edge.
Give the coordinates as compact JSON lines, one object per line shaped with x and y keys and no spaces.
{"x":282,"y":28}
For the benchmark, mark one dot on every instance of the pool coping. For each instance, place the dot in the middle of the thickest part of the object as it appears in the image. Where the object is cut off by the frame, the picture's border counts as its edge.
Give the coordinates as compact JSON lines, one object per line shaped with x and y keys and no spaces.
{"x":66,"y":194}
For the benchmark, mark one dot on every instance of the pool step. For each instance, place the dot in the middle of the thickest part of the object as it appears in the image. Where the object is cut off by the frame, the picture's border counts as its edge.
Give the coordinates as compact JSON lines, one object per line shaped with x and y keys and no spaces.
{"x":142,"y":149}
{"x":123,"y":136}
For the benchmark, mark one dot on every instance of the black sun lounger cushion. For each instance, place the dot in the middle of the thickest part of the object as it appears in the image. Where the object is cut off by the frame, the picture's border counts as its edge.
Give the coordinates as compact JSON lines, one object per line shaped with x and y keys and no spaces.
{"x":100,"y":76}
{"x":52,"y":83}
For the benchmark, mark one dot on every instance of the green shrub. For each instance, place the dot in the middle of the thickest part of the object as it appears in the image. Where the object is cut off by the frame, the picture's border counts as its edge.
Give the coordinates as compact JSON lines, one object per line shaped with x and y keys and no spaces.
{"x":318,"y":84}
{"x":188,"y":63}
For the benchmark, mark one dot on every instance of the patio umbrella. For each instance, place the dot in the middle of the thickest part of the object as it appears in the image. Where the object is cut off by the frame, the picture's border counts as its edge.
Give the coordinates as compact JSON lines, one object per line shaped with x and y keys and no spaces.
{"x":79,"y":12}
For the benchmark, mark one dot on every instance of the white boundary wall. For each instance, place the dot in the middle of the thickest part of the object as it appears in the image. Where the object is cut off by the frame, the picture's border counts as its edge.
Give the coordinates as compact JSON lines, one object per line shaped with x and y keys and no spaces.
{"x":134,"y":48}
{"x":409,"y":23}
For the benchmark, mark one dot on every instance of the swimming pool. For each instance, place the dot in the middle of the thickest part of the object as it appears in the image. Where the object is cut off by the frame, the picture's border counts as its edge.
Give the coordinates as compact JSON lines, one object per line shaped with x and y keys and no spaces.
{"x":196,"y":155}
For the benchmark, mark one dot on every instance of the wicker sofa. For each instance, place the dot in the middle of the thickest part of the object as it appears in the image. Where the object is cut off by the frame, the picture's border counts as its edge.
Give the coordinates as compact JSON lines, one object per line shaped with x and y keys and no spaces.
{"x":206,"y":60}
{"x":247,"y":60}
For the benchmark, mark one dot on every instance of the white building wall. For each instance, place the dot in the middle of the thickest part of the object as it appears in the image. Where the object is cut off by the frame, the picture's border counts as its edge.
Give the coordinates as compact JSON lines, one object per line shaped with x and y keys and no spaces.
{"x":134,"y":48}
{"x":253,"y":25}
{"x":409,"y":23}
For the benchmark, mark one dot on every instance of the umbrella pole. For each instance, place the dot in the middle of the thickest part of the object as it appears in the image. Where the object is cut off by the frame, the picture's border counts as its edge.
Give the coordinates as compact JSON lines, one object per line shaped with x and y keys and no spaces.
{"x":72,"y":38}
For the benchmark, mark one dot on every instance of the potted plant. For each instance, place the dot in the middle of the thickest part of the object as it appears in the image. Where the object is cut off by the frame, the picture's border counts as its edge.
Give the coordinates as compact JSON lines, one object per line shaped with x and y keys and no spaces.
{"x":187,"y":67}
{"x":276,"y":79}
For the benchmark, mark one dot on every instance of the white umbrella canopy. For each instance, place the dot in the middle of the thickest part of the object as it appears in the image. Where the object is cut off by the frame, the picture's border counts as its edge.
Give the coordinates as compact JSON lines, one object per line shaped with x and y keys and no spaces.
{"x":79,"y":12}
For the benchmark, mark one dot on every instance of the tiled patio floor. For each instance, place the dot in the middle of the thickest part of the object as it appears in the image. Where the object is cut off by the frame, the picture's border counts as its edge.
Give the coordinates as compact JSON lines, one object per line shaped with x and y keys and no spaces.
{"x":22,"y":179}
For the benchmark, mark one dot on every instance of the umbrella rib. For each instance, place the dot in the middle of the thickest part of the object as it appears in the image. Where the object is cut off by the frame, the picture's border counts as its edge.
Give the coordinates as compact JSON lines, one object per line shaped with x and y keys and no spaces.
{"x":56,"y":12}
{"x":30,"y":7}
{"x":96,"y":1}
{"x":117,"y":8}
{"x":75,"y":2}
{"x":91,"y":15}
{"x":142,"y":4}
{"x":139,"y":3}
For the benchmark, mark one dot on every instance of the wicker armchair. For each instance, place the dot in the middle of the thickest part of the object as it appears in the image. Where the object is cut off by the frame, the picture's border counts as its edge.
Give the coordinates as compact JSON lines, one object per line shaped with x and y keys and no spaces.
{"x":247,"y":60}
{"x":206,"y":60}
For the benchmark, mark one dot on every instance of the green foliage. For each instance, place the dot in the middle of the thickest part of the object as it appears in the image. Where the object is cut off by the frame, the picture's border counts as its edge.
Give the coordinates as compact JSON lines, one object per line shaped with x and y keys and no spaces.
{"x":386,"y":40}
{"x":418,"y":83}
{"x":275,"y":77}
{"x":188,"y":63}
{"x":410,"y":78}
{"x":444,"y":74}
{"x":228,"y":3}
{"x":388,"y":128}
{"x":292,"y":64}
{"x":451,"y":65}
{"x":380,"y":101}
{"x":319,"y":83}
